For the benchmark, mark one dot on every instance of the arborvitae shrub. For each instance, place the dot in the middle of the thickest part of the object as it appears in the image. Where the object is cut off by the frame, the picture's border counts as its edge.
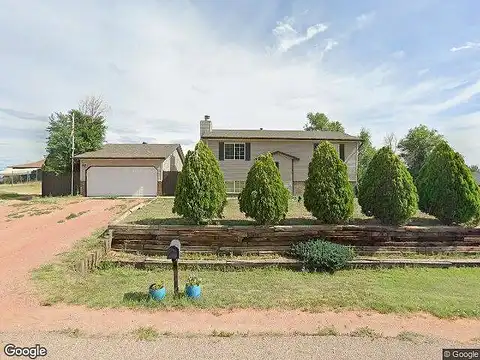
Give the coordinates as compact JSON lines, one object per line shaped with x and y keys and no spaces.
{"x":200,"y":194}
{"x":264,"y":197}
{"x":387,"y":191}
{"x":321,"y":255}
{"x":328,"y":193}
{"x":447,"y":188}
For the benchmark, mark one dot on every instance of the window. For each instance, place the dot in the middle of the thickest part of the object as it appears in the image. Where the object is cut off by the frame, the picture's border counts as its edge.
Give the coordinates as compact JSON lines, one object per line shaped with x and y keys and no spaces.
{"x":235,"y":151}
{"x":230,"y":186}
{"x":234,"y":187}
{"x":277,"y":164}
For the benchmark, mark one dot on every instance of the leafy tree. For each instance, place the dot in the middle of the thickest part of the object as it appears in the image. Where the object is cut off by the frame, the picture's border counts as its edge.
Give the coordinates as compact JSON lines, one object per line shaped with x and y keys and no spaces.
{"x":365,"y":153}
{"x":200,"y":194}
{"x":387,"y":191}
{"x":320,"y":122}
{"x":89,"y":136}
{"x":447,"y":188}
{"x":264,"y":197}
{"x":328,"y":193}
{"x":417,"y":145}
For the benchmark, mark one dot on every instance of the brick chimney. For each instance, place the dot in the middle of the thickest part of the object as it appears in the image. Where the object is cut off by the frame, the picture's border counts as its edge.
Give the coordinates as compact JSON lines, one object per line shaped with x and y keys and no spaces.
{"x":205,"y":125}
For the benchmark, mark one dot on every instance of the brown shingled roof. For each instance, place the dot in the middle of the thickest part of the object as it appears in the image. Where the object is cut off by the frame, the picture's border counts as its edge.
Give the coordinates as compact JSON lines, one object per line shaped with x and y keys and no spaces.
{"x":278,"y":134}
{"x":34,"y":165}
{"x":131,"y":151}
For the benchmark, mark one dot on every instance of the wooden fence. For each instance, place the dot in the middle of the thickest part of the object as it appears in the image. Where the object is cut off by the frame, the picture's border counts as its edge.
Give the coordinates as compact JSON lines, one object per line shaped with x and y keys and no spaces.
{"x":367,"y":240}
{"x":60,"y":185}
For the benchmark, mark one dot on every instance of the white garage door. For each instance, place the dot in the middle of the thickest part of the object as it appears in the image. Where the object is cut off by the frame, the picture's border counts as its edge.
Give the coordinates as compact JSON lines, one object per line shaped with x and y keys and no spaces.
{"x":121,"y":181}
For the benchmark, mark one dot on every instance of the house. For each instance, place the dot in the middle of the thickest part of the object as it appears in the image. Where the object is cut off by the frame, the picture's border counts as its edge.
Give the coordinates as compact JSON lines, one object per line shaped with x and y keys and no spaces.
{"x":476,"y":176}
{"x":23,"y":172}
{"x":292,"y":150}
{"x":130,"y":170}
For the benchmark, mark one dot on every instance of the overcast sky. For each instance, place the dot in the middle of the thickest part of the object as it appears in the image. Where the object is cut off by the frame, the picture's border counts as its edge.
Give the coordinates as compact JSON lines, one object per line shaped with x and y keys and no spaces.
{"x":162,"y":65}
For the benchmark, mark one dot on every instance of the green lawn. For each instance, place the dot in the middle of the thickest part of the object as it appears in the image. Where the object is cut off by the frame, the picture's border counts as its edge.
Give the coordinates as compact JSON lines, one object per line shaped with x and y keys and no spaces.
{"x":159,"y":212}
{"x":442,"y":292}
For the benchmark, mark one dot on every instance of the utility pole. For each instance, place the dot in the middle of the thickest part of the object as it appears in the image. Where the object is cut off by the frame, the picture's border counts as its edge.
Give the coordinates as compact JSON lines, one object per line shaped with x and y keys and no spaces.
{"x":73,"y":146}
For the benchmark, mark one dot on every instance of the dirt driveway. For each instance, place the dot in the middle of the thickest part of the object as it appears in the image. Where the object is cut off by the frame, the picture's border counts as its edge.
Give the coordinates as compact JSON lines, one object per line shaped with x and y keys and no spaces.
{"x":33,"y":232}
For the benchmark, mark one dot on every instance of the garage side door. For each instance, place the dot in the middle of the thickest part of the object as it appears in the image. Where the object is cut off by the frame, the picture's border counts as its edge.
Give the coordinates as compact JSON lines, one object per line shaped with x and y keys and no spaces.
{"x":121,"y":181}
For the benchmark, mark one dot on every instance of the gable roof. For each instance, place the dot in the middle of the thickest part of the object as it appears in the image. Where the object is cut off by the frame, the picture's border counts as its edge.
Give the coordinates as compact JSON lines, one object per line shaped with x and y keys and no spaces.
{"x":285,"y":154}
{"x":33,"y":165}
{"x":279,"y":134}
{"x":132,"y":151}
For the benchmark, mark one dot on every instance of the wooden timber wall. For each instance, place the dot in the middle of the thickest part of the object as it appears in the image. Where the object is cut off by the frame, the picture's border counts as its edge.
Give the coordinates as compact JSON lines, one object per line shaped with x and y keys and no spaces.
{"x":367,"y":240}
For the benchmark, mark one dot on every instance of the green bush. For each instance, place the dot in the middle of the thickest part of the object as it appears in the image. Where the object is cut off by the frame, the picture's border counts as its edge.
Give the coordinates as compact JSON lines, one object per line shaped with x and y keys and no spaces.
{"x":200,"y":194}
{"x":265,"y":197}
{"x":321,"y":255}
{"x":387,"y":191}
{"x":447,"y":188}
{"x":328,"y":193}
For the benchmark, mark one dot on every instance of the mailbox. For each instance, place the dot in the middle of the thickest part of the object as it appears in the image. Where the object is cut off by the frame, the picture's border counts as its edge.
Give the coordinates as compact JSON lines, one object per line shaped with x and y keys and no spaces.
{"x":173,"y":252}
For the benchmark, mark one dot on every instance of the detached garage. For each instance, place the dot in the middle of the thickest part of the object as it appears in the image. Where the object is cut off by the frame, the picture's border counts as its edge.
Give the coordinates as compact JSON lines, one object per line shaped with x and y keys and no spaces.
{"x":136,"y":170}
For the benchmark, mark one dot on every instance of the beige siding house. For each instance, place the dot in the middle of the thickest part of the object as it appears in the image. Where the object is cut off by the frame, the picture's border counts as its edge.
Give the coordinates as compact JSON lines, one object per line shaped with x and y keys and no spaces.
{"x":292,"y":150}
{"x":130,"y":170}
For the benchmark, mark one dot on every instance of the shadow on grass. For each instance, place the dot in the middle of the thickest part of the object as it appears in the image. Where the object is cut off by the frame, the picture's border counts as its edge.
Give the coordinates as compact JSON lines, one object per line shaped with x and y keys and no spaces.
{"x":136,"y":297}
{"x":180,"y":221}
{"x":15,"y":196}
{"x":415,"y":221}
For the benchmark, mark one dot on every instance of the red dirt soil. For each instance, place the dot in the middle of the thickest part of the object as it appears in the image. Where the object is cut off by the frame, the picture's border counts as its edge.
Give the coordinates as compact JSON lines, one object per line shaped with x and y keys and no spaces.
{"x":31,"y":241}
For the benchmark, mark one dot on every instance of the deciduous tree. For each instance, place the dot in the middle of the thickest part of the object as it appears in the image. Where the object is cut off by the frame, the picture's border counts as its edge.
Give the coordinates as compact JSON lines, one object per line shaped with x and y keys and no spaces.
{"x":320,"y":122}
{"x":89,"y":136}
{"x":417,"y":145}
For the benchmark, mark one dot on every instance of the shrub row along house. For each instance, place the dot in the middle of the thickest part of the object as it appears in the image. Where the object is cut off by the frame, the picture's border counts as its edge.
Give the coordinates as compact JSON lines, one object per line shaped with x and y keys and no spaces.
{"x":445,"y":188}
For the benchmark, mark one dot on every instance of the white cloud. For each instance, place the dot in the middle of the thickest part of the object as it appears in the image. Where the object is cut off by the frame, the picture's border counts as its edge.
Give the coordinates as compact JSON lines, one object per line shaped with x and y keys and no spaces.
{"x":288,"y":37}
{"x":468,"y":45}
{"x":365,"y":19}
{"x":331,"y":43}
{"x":174,"y":69}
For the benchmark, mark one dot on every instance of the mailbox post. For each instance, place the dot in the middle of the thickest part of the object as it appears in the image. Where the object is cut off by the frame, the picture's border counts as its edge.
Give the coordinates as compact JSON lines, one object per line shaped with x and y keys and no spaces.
{"x":173,"y":253}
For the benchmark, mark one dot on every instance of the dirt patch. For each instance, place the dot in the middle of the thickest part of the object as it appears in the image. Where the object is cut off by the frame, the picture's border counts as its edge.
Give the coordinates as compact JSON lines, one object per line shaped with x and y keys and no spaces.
{"x":30,"y":241}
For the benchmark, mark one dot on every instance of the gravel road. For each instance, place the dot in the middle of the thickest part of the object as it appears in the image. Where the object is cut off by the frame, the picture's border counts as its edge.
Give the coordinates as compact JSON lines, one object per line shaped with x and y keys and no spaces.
{"x":60,"y":346}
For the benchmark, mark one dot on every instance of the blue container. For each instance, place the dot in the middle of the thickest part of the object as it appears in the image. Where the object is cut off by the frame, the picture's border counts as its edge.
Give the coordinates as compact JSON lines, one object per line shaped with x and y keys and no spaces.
{"x":193,"y":291}
{"x":158,"y":294}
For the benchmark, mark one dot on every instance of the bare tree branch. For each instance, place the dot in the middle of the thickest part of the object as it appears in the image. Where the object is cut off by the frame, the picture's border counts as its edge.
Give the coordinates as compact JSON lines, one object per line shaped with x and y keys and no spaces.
{"x":391,"y":141}
{"x":94,"y":106}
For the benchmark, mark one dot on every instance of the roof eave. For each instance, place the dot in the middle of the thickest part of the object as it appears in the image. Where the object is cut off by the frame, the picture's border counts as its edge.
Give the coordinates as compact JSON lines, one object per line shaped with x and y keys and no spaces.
{"x":277,"y":138}
{"x":118,"y":157}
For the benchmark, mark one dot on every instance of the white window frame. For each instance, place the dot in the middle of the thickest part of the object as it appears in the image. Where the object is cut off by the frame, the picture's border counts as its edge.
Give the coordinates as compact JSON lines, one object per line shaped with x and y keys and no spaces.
{"x":236,"y":187}
{"x":234,"y":152}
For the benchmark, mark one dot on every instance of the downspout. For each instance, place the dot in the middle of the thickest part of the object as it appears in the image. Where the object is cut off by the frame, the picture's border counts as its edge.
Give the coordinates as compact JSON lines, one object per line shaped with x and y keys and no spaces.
{"x":293,"y":179}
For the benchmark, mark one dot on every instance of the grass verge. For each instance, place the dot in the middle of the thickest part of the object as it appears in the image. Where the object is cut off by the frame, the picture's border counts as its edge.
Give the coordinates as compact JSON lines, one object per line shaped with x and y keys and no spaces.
{"x":442,"y":292}
{"x":159,"y":212}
